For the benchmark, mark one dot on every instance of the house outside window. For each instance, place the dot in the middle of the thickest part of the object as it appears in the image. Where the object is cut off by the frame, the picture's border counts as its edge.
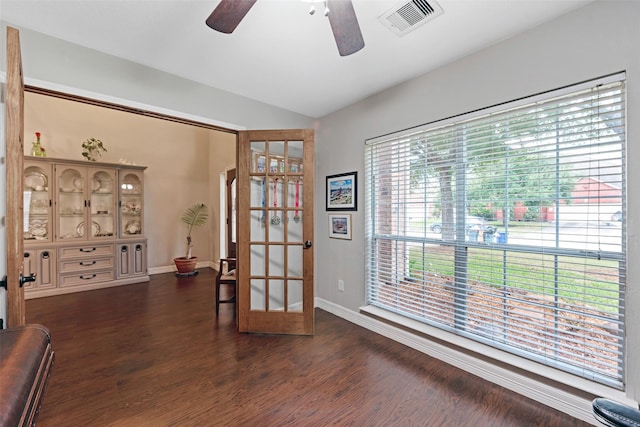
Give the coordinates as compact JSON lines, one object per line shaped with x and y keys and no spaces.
{"x":507,"y":227}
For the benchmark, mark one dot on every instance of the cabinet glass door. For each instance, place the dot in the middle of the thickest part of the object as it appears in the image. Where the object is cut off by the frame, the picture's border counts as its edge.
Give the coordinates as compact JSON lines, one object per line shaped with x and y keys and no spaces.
{"x":131,"y":204}
{"x":72,"y":203}
{"x":37,"y":202}
{"x":102,"y":203}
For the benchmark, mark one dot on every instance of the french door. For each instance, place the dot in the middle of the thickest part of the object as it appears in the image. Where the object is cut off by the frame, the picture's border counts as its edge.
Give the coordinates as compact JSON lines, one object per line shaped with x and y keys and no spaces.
{"x":275,"y":231}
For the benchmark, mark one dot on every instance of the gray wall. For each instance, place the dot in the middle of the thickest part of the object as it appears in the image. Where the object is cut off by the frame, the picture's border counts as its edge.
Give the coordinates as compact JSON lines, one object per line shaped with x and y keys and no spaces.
{"x":595,"y":40}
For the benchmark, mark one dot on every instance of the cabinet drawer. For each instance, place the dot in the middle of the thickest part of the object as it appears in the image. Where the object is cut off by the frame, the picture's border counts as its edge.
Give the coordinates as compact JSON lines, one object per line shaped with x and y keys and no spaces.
{"x":88,"y":250}
{"x":86,"y":265}
{"x":85,"y":278}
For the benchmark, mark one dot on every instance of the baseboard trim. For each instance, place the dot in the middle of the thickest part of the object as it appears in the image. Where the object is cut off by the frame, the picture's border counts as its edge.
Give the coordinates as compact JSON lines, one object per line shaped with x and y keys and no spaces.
{"x":575,"y":406}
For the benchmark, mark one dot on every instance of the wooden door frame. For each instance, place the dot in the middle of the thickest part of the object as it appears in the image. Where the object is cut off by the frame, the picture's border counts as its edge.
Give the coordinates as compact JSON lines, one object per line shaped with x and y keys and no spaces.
{"x":14,"y":137}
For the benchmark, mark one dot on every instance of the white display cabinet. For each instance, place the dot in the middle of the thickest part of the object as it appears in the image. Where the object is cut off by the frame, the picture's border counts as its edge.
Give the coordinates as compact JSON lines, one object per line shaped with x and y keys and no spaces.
{"x":79,"y":216}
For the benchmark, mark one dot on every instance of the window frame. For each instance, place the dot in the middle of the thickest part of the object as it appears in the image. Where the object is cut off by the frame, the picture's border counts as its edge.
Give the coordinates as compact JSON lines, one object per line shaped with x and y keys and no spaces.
{"x":466,"y":117}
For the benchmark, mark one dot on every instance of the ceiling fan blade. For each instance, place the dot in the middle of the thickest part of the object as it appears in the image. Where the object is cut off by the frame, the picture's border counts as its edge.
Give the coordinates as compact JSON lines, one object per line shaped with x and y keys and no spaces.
{"x":345,"y":27}
{"x":228,"y":14}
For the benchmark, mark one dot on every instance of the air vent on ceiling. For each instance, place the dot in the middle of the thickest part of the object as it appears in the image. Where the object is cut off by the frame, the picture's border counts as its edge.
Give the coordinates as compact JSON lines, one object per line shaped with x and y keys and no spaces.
{"x":409,"y":15}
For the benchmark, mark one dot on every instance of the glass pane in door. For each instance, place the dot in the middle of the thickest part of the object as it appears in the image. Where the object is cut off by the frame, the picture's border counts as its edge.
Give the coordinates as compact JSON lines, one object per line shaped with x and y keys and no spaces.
{"x":258,"y":157}
{"x":276,"y":210}
{"x":276,"y":260}
{"x":294,"y":295}
{"x":103,"y":203}
{"x":257,"y":201}
{"x":37,"y":202}
{"x":276,"y":157}
{"x":258,"y":266}
{"x":276,"y":295}
{"x":71,"y":208}
{"x":294,"y":203}
{"x":130,"y":205}
{"x":257,"y":226}
{"x":294,"y":261}
{"x":258,"y":295}
{"x":295,"y":157}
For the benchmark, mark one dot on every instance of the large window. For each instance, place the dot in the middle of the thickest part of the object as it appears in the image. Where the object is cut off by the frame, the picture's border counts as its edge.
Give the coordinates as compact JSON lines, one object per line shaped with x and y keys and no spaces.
{"x":507,"y":226}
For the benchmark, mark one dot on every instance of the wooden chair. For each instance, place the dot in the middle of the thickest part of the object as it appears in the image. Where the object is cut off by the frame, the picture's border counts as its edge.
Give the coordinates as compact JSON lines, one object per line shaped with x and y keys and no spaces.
{"x":226,"y":276}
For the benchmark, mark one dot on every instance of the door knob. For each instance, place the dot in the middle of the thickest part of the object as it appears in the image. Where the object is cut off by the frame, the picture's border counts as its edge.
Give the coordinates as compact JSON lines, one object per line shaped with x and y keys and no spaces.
{"x":307,"y":244}
{"x":26,"y":279}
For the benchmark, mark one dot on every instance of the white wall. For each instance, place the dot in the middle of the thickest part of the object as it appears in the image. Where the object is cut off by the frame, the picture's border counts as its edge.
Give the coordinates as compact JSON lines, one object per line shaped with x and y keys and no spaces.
{"x":598,"y":39}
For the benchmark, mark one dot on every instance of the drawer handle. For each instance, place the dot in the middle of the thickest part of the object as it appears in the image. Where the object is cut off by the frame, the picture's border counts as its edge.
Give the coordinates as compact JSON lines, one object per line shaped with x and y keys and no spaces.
{"x":87,"y":250}
{"x":87,"y":263}
{"x":88,"y":277}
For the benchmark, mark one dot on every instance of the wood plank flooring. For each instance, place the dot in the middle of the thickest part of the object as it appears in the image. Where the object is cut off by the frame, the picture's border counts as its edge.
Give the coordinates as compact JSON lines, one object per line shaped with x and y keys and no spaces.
{"x":154,"y":354}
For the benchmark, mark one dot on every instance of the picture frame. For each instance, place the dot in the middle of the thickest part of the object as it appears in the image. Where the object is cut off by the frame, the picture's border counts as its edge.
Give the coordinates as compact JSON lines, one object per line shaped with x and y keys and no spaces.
{"x":342,"y":192}
{"x":340,"y":226}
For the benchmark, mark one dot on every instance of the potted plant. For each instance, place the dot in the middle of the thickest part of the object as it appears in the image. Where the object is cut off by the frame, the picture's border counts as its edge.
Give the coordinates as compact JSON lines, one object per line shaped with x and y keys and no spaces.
{"x":194,"y":216}
{"x":92,"y":149}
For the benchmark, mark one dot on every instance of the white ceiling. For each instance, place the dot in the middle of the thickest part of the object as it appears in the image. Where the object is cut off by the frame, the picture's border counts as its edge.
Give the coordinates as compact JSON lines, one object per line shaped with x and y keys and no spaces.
{"x":279,"y":54}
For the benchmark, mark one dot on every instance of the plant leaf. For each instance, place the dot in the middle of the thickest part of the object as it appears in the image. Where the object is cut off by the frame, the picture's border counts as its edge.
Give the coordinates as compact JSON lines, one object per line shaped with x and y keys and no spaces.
{"x":195,"y":216}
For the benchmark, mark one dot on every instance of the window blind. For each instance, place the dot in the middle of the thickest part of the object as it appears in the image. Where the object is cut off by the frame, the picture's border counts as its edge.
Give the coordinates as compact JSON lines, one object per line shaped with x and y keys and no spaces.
{"x":509,"y":227}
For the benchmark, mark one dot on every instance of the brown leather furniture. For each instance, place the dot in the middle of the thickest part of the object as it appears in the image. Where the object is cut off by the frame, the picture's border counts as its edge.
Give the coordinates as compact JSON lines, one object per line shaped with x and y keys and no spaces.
{"x":26,"y":358}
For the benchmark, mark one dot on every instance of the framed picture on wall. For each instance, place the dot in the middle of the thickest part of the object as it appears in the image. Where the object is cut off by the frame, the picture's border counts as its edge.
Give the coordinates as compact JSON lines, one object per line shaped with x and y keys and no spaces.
{"x":342,"y":192}
{"x":340,"y":226}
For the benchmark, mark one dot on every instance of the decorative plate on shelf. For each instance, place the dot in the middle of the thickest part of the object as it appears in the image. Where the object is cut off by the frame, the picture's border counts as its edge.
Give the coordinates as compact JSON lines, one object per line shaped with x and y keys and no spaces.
{"x":77,"y":183}
{"x":131,"y":207}
{"x":133,"y":227}
{"x":34,"y":179}
{"x":38,"y":229}
{"x":95,"y":228}
{"x":99,"y":185}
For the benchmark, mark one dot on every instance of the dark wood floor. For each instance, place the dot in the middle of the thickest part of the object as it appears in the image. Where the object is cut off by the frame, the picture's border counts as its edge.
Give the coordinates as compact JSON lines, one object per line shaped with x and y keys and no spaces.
{"x":154,"y":354}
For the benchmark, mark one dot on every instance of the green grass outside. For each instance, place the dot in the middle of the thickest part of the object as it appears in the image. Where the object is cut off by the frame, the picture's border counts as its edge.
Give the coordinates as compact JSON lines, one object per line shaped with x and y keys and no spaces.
{"x":598,"y":288}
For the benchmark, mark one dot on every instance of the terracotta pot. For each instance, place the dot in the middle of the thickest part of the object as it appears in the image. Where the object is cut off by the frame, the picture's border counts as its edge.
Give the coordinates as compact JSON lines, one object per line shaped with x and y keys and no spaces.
{"x":186,"y":266}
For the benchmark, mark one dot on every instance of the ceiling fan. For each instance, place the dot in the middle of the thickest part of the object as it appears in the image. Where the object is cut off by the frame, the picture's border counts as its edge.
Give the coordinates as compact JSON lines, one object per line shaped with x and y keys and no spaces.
{"x":344,"y":23}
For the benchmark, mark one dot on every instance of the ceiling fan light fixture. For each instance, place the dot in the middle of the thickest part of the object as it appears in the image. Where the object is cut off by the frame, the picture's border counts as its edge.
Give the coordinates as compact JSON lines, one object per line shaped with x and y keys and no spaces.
{"x":343,"y":21}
